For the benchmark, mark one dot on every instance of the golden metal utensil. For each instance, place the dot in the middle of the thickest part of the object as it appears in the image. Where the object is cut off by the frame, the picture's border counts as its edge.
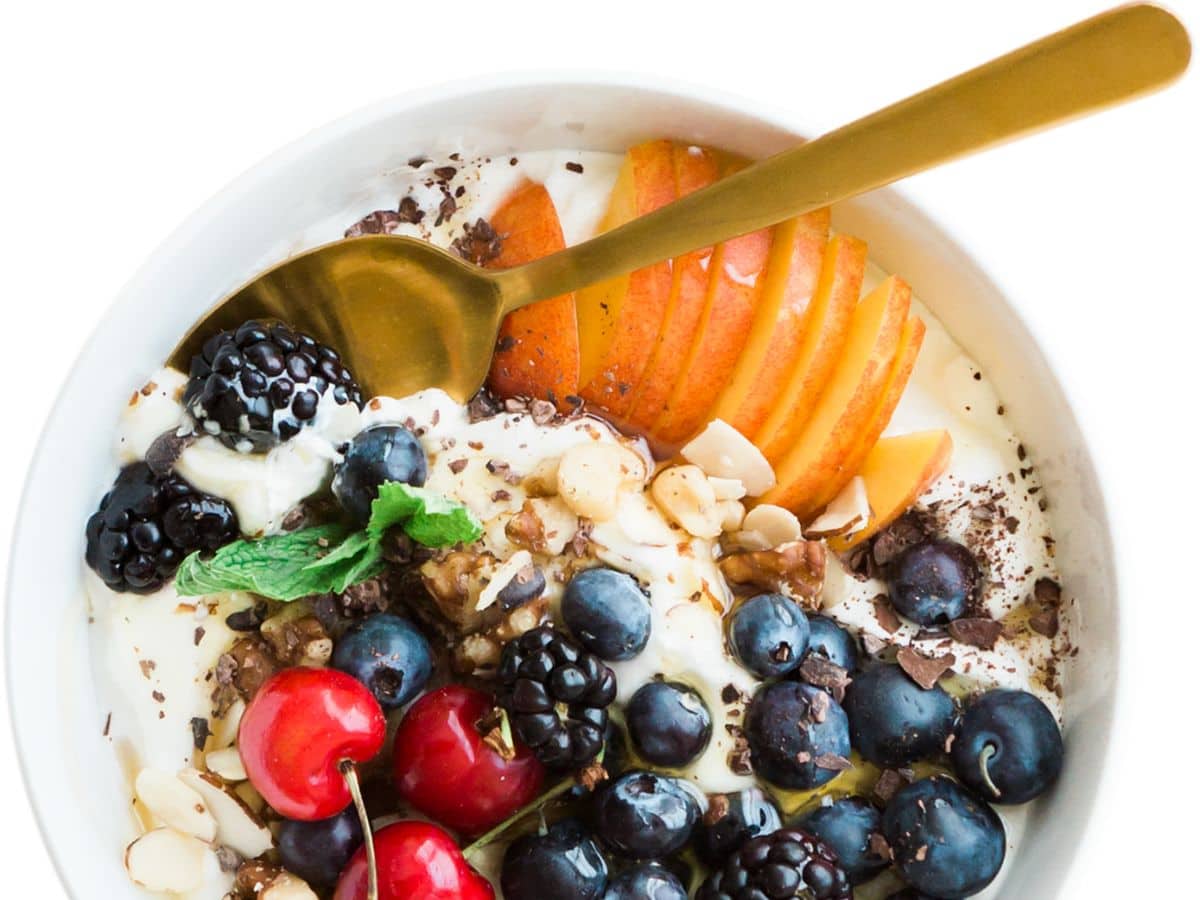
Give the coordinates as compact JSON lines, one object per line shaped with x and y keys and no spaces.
{"x":408,"y":316}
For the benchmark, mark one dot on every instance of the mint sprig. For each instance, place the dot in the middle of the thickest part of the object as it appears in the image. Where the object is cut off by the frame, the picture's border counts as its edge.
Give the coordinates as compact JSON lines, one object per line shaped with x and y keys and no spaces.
{"x":328,"y":558}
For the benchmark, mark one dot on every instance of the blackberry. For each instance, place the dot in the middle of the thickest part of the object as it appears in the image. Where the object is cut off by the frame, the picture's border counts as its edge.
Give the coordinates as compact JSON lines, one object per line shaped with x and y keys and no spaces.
{"x":146,"y":524}
{"x":557,"y":697}
{"x":786,"y":863}
{"x":259,"y":385}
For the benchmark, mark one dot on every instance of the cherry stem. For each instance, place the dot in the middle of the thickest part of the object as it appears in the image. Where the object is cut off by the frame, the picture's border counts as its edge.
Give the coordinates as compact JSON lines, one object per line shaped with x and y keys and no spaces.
{"x":350,"y":774}
{"x":533,"y":806}
{"x":985,"y":756}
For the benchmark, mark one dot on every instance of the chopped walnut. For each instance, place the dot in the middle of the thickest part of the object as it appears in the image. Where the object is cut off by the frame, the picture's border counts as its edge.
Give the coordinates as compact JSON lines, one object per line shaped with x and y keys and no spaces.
{"x":526,"y":529}
{"x":247,"y":666}
{"x":448,"y":579}
{"x":300,"y":642}
{"x":796,"y":569}
{"x":480,"y":653}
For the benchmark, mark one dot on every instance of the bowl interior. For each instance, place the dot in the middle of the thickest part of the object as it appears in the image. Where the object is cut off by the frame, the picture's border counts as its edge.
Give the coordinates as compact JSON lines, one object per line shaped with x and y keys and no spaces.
{"x":74,"y":779}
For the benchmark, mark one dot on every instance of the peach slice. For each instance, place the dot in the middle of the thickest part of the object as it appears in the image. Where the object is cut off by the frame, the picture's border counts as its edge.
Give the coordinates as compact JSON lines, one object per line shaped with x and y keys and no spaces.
{"x":897,"y":471}
{"x":537,"y":354}
{"x":695,"y":168}
{"x":825,"y":334}
{"x":620,"y":319}
{"x":786,"y":313}
{"x":735,"y":284}
{"x":850,"y":400}
{"x":911,"y":338}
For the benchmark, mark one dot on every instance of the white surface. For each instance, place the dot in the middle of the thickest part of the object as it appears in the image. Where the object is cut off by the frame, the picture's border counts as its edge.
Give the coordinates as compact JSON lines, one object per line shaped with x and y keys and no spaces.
{"x":133,"y":117}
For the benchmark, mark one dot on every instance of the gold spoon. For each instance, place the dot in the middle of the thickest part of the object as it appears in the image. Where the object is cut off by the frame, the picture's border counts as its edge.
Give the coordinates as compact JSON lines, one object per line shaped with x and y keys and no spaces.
{"x":408,"y":316}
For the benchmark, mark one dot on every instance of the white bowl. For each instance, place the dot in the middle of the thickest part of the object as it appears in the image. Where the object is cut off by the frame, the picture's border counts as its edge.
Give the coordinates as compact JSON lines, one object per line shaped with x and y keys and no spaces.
{"x":71,"y":772}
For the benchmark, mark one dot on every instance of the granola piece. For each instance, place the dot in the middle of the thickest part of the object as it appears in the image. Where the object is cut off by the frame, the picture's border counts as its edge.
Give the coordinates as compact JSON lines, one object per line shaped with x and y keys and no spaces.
{"x":796,"y":568}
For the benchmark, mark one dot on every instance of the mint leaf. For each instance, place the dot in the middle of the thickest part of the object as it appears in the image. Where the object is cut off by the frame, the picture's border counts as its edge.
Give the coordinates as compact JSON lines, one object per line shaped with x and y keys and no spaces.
{"x":324,"y":559}
{"x":428,"y":518}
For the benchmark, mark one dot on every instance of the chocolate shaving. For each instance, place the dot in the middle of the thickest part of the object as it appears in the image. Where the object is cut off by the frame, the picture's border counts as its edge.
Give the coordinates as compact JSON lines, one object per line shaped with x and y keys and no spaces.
{"x":482,"y":406}
{"x":885,"y":615}
{"x":409,"y":212}
{"x":1045,"y":623}
{"x":575,"y":167}
{"x":248,"y":619}
{"x":197,"y":635}
{"x":1047,"y":591}
{"x":832,"y":762}
{"x":200,"y":732}
{"x":924,"y":670}
{"x":977,"y":632}
{"x":889,"y":782}
{"x":479,"y":243}
{"x":457,"y":465}
{"x":381,"y":221}
{"x":874,"y":645}
{"x":542,"y":412}
{"x":820,"y":672}
{"x":165,"y":450}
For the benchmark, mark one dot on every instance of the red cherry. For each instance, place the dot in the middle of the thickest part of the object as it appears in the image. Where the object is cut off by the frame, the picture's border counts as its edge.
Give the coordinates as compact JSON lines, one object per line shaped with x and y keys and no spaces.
{"x":300,"y":726}
{"x":445,"y":770}
{"x":415,"y":859}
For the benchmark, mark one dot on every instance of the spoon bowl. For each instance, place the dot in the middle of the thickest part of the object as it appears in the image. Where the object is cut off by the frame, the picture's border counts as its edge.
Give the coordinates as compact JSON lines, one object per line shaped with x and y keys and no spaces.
{"x":407,"y":313}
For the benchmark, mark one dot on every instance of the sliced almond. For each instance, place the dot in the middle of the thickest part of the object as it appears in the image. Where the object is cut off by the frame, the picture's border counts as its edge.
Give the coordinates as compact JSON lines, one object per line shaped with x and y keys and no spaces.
{"x":174,"y":803}
{"x":846,"y":513}
{"x":238,"y":826}
{"x":166,"y":860}
{"x":838,"y":582}
{"x":727,"y":488}
{"x":592,"y":476}
{"x":501,"y":576}
{"x":225,"y":729}
{"x":732,"y":514}
{"x":227,"y":763}
{"x":685,"y":496}
{"x":776,"y":524}
{"x":215,"y":880}
{"x":286,"y":886}
{"x":559,"y":524}
{"x":724,"y":452}
{"x":747,"y":539}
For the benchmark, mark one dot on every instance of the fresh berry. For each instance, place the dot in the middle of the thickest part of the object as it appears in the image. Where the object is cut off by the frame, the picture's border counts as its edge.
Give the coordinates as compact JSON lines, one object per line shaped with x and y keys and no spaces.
{"x":616,"y":761}
{"x":148,"y":523}
{"x":786,"y":863}
{"x":932,"y":583}
{"x":557,"y":696}
{"x":829,"y":640}
{"x":645,"y":815}
{"x":731,"y":820}
{"x":607,"y":613}
{"x":375,"y":455}
{"x":908,"y":894}
{"x":259,"y":385}
{"x":439,"y":743}
{"x":298,"y":730}
{"x":894,"y":721}
{"x":945,"y":841}
{"x":414,"y":859}
{"x":1008,"y":748}
{"x":668,"y":723}
{"x":769,"y":635}
{"x":389,"y":655}
{"x":646,"y":881}
{"x":564,"y":863}
{"x":318,"y":851}
{"x":798,"y":735}
{"x":847,"y":825}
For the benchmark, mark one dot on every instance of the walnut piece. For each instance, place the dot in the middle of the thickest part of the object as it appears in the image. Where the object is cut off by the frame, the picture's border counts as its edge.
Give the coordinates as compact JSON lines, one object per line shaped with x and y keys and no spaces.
{"x":796,"y":568}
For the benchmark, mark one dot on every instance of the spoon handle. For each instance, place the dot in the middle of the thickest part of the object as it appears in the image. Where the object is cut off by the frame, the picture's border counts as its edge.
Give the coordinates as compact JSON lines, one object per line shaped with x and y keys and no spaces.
{"x":1113,"y":57}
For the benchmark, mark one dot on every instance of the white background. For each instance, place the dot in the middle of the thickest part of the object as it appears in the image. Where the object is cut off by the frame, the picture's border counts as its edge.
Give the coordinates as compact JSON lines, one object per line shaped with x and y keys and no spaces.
{"x":120,"y":118}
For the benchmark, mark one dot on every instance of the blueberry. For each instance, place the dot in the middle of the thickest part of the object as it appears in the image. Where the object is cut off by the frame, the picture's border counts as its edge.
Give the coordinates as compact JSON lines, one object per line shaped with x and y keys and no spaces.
{"x":946,"y":842}
{"x":1008,"y":748}
{"x":932,"y":583}
{"x":893,"y":721}
{"x":564,"y":862}
{"x":645,"y":815}
{"x":607,"y":613}
{"x":795,"y":731}
{"x":846,"y":825}
{"x":828,"y":639}
{"x":733,"y":819}
{"x":646,"y":881}
{"x":375,"y":455}
{"x":389,"y":655}
{"x":769,"y":634}
{"x":668,"y":723}
{"x":318,"y":851}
